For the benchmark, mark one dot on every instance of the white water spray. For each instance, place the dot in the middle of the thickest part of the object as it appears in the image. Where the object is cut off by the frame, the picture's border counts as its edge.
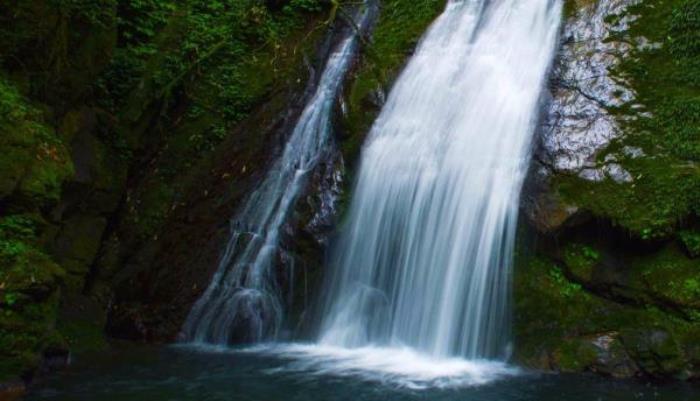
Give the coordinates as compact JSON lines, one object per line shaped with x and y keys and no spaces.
{"x":418,"y":291}
{"x":424,"y":260}
{"x":242,"y":301}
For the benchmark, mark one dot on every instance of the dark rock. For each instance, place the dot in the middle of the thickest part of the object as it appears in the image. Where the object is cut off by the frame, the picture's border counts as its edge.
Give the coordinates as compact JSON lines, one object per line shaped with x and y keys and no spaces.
{"x":276,"y":5}
{"x":12,"y":391}
{"x":77,"y":244}
{"x":656,"y":352}
{"x":612,"y":358}
{"x":544,"y":209}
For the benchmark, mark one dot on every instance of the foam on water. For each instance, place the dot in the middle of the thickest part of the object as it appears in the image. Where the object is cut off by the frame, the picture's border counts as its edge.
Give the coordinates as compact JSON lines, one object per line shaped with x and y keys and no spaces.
{"x":398,"y":367}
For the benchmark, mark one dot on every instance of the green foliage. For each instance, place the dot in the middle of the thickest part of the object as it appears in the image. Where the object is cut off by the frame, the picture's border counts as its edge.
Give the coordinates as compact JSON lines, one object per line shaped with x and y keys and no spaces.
{"x":306,"y":5}
{"x":684,"y":30}
{"x":548,"y":307}
{"x":581,"y":260}
{"x":197,"y":69}
{"x":25,"y":331}
{"x":154,"y":83}
{"x":34,"y":165}
{"x":34,"y":161}
{"x":166,"y":46}
{"x":97,"y":12}
{"x":28,"y":296}
{"x":38,"y":164}
{"x":670,"y":274}
{"x":15,"y":231}
{"x":55,"y":48}
{"x":566,"y":288}
{"x":557,"y":321}
{"x":691,"y":240}
{"x":24,"y":265}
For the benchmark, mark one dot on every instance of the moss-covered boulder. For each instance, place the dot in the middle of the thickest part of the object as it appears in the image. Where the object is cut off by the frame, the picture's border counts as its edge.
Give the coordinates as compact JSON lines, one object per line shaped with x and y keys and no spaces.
{"x":604,"y":322}
{"x":34,"y":162}
{"x":612,"y":288}
{"x":29,"y":291}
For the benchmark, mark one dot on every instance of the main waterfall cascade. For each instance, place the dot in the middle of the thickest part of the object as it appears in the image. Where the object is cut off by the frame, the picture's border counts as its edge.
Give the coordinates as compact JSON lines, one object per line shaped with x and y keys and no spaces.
{"x":424,"y":258}
{"x":418,"y":286}
{"x":243,"y":295}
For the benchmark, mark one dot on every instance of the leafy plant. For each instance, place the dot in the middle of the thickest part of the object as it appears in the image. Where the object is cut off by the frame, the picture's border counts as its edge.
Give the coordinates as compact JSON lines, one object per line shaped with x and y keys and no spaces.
{"x":691,"y":241}
{"x":567,"y":289}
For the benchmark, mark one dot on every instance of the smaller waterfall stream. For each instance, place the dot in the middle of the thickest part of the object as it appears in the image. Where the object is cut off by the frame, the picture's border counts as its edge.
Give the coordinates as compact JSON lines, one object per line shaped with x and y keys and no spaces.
{"x":242,"y":300}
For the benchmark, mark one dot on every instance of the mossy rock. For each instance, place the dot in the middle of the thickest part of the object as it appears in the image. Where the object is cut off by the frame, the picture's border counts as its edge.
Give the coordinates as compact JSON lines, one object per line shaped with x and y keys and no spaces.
{"x":691,"y":241}
{"x":34,"y":161}
{"x":58,"y":47}
{"x":81,"y":323}
{"x":671,"y":274}
{"x":564,"y":325}
{"x":663,"y":122}
{"x":575,"y":355}
{"x":656,"y":352}
{"x":76,"y":246}
{"x":26,"y":331}
{"x":29,"y":291}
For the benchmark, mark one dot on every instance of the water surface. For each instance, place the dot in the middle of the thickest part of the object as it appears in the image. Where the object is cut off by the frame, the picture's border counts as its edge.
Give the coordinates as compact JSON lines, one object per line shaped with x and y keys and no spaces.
{"x":186,"y":374}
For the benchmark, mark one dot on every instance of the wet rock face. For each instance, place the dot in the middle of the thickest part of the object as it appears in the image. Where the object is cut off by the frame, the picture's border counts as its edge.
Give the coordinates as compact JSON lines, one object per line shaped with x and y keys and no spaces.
{"x":611,"y":357}
{"x":328,"y":185}
{"x":577,"y":123}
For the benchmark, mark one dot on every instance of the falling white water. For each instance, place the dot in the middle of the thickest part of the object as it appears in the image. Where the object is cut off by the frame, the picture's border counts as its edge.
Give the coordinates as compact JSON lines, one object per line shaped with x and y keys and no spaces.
{"x":243,"y":300}
{"x":397,"y":367}
{"x":424,"y":259}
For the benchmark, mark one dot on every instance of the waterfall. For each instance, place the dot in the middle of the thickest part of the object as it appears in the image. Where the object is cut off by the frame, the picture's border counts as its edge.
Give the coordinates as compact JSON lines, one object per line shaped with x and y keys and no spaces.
{"x":424,"y":257}
{"x":243,"y":299}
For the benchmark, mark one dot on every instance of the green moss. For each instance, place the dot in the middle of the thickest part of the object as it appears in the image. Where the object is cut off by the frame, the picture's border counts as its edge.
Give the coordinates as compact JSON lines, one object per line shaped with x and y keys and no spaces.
{"x":575,"y":355}
{"x":82,"y":336}
{"x":548,"y":306}
{"x":558,"y":322}
{"x":649,"y":208}
{"x":223,"y":54}
{"x":691,"y":241}
{"x":150,"y":210}
{"x":197,"y":69}
{"x":552,"y":317}
{"x":581,"y":260}
{"x":401,"y":24}
{"x":25,"y":332}
{"x":29,"y":282}
{"x":56,"y":47}
{"x":666,"y":187}
{"x":571,"y":7}
{"x":670,"y":273}
{"x":34,"y":161}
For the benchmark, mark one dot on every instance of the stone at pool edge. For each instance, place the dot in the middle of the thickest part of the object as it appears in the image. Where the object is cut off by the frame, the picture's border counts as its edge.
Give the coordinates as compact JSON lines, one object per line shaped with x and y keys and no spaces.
{"x":12,"y":390}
